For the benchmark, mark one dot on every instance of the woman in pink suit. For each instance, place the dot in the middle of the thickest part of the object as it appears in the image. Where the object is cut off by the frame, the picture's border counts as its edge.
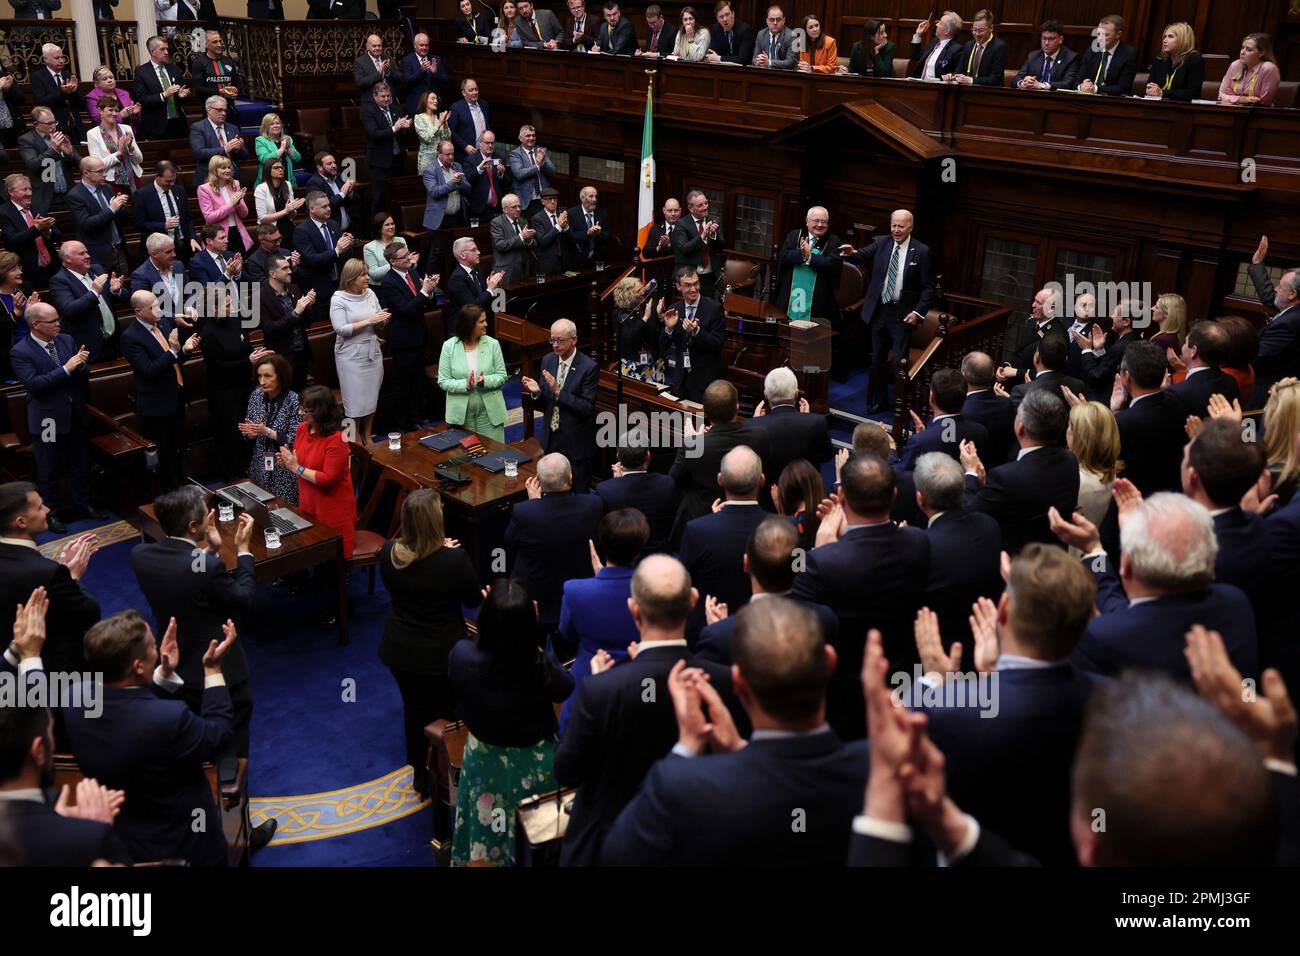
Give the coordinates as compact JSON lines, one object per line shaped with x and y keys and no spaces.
{"x":221,"y":200}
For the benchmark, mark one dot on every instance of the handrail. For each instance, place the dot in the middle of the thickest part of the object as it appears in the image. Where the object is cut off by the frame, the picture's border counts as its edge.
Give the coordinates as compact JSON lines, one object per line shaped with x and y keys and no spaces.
{"x":613,"y":285}
{"x":115,"y":426}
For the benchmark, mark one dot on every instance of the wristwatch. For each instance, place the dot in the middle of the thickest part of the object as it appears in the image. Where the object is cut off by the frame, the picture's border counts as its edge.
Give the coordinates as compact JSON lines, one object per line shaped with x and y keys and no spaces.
{"x":302,"y":469}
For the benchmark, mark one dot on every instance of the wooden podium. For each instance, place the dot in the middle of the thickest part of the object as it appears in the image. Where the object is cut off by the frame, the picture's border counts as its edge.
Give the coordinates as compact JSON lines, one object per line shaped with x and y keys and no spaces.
{"x":760,"y":337}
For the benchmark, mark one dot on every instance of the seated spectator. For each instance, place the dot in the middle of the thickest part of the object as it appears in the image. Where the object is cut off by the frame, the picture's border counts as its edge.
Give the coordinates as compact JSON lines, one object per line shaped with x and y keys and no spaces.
{"x":1110,"y":65}
{"x":730,"y":40}
{"x":948,"y":427}
{"x":506,"y":690}
{"x":1179,"y":72}
{"x":873,"y":55}
{"x":820,"y":53}
{"x":271,"y":422}
{"x":774,"y":47}
{"x":1053,"y":66}
{"x":1253,"y":78}
{"x":692,"y":41}
{"x":616,"y":35}
{"x":594,"y":618}
{"x":984,"y":60}
{"x":1093,"y":438}
{"x":660,"y":35}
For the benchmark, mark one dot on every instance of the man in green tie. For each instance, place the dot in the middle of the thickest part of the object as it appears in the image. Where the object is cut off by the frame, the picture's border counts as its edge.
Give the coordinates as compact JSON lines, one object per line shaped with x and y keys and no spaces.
{"x":160,"y":91}
{"x":1110,"y":64}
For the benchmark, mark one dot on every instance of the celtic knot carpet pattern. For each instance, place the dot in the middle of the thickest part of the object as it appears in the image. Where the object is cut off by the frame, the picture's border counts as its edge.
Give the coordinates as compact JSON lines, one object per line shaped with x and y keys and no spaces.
{"x":320,"y":816}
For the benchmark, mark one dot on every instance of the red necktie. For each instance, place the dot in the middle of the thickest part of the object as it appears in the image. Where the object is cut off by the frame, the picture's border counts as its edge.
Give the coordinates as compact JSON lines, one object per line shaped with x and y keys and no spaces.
{"x":42,"y":251}
{"x":411,"y":283}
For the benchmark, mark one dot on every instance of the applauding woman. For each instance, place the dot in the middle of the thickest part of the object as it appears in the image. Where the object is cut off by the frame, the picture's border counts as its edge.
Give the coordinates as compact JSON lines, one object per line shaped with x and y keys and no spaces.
{"x":431,"y":129}
{"x":221,"y":200}
{"x":357,"y":319}
{"x":275,"y":201}
{"x":272,"y":423}
{"x":1179,"y":71}
{"x":115,"y":144}
{"x":273,"y":142}
{"x":472,"y":372}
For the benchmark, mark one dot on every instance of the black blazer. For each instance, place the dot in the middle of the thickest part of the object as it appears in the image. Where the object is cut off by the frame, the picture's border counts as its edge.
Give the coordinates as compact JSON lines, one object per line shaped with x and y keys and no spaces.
{"x":552,"y":248}
{"x":148,"y":93}
{"x":95,"y":222}
{"x":206,"y":75}
{"x":896,"y":562}
{"x":1194,"y":391}
{"x":713,"y":549}
{"x":1026,"y":342}
{"x":480,"y":26}
{"x":283,"y":330}
{"x":949,"y":61}
{"x":614,"y":737}
{"x":379,"y":134}
{"x":792,"y":435}
{"x":73,"y":610}
{"x":1099,"y":370}
{"x":546,"y":545}
{"x":43,"y":838}
{"x":20,"y":238}
{"x":406,"y":328}
{"x":705,"y":349}
{"x":1120,"y":72}
{"x":31,"y":145}
{"x":1018,"y":494}
{"x":654,"y":494}
{"x":667,"y":37}
{"x":150,"y":217}
{"x":200,"y":602}
{"x":825,"y":262}
{"x":734,"y":809}
{"x":945,"y":435}
{"x":965,"y":564}
{"x":1151,"y":439}
{"x":697,"y":477}
{"x":739,"y":49}
{"x":66,"y":107}
{"x":576,"y":437}
{"x":714,"y":642}
{"x":1052,"y":380}
{"x":1187,"y":81}
{"x":993,"y":62}
{"x":425,"y":616}
{"x":503,"y":709}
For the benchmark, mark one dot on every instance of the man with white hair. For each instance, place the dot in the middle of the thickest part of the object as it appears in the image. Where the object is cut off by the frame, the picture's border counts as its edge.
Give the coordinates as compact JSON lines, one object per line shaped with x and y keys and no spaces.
{"x":943,"y":54}
{"x":547,"y":537}
{"x":55,"y":87}
{"x":568,"y":402}
{"x":794,"y":430}
{"x":465,"y":285}
{"x":1279,"y":340}
{"x":588,"y":229}
{"x":85,"y":297}
{"x":514,"y":241}
{"x":215,"y":135}
{"x":421,"y":73}
{"x":1164,"y":586}
{"x":810,"y":270}
{"x":163,"y":275}
{"x":531,"y":169}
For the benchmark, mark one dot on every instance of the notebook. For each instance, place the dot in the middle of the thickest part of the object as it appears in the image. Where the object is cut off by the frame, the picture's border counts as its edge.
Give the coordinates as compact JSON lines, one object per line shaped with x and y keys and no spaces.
{"x":496,"y":461}
{"x":444,"y":440}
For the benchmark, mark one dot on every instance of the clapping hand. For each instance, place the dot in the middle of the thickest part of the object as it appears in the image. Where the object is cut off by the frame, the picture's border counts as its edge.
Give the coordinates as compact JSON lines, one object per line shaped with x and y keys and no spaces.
{"x":169,"y":654}
{"x":216,"y":652}
{"x":970,"y":460}
{"x":596,"y":564}
{"x":94,"y":802}
{"x":714,"y":610}
{"x":1268,"y":719}
{"x":929,"y":644}
{"x":288,"y":460}
{"x":1078,"y":533}
{"x":551,"y":383}
{"x":984,"y":629}
{"x":77,"y":554}
{"x":601,"y":661}
{"x":534,"y":487}
{"x":1220,"y":408}
{"x":29,"y":625}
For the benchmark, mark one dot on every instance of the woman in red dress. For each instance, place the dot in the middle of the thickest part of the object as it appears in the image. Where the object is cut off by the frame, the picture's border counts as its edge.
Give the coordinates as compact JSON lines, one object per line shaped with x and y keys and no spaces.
{"x":320,"y":459}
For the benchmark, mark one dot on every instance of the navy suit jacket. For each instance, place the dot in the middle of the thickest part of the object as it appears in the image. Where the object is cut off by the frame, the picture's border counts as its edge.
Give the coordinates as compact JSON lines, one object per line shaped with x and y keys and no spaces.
{"x":417,"y":81}
{"x":66,"y":107}
{"x":793,"y":435}
{"x":1151,"y":439}
{"x":734,"y":809}
{"x":621,"y":40}
{"x":654,"y":494}
{"x":42,"y":837}
{"x":148,"y":93}
{"x":713,"y":549}
{"x":588,"y":249}
{"x":52,"y":394}
{"x":1152,"y":635}
{"x":157,"y":393}
{"x":1280,"y":621}
{"x":576,"y":437}
{"x":594,"y":617}
{"x":1065,"y":74}
{"x":150,"y":217}
{"x":204,"y":145}
{"x":79,"y":308}
{"x":203,"y":269}
{"x":318,"y":264}
{"x":1099,"y":370}
{"x":1194,"y":391}
{"x":945,"y":435}
{"x":338,"y":202}
{"x":95,"y":222}
{"x":1245,"y":557}
{"x":461,"y":291}
{"x":998,"y":416}
{"x":1120,"y":74}
{"x":546,"y":545}
{"x":705,"y":348}
{"x":480,"y":193}
{"x":406,"y":327}
{"x":740,"y":49}
{"x":950,"y":60}
{"x":993,"y":62}
{"x":714,"y":642}
{"x":73,"y":610}
{"x":20,"y":238}
{"x":697,"y":476}
{"x":965,"y":564}
{"x":1018,"y":495}
{"x":147,"y":277}
{"x":915,"y":285}
{"x":461,"y":124}
{"x":154,"y":748}
{"x":1279,"y":341}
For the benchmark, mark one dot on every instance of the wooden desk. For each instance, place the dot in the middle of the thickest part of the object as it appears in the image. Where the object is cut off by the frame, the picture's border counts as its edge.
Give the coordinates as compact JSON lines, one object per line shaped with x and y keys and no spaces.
{"x":297,"y":552}
{"x":472,"y":509}
{"x":760,"y":338}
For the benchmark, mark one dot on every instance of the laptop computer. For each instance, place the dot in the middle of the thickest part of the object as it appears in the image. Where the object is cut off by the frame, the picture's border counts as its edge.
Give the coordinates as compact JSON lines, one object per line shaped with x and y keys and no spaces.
{"x":282,"y":519}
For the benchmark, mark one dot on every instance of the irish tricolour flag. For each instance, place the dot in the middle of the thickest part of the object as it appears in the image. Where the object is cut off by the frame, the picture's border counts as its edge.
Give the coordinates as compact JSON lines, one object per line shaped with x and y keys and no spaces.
{"x":646,"y":198}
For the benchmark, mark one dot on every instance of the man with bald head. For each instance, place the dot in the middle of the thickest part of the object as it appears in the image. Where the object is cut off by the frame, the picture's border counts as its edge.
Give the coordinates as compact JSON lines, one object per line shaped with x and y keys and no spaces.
{"x":84,"y":296}
{"x":100,"y":216}
{"x":995,"y":412}
{"x":546,"y":539}
{"x":899,"y":294}
{"x":621,"y":720}
{"x":810,"y":266}
{"x":659,"y":241}
{"x":567,"y":394}
{"x":789,"y":793}
{"x":422,"y":73}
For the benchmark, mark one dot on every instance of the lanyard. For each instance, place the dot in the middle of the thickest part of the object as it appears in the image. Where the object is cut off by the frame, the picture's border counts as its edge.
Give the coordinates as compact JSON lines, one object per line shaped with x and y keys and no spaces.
{"x":1169,"y":80}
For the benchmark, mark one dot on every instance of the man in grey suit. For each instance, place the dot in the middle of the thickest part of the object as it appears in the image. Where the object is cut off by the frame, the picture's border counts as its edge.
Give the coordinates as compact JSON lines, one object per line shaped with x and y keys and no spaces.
{"x":531,"y":169}
{"x":372,"y":66}
{"x":513,"y":240}
{"x":447,"y":190}
{"x":774,"y":48}
{"x":535,"y":28}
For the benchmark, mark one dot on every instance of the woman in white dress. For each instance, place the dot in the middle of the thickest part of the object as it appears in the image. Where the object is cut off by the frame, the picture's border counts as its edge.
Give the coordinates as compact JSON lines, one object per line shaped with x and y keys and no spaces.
{"x":1093,"y":436}
{"x":692,"y":39}
{"x":357,"y":319}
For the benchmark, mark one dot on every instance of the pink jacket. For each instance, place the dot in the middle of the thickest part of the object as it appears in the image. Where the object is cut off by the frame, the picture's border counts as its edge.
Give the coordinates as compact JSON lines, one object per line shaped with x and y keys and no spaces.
{"x":216,"y":210}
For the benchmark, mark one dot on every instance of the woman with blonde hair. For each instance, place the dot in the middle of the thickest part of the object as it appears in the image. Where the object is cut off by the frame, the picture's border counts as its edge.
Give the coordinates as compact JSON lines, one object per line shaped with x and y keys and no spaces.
{"x":221,"y":200}
{"x":1179,"y":71}
{"x":1093,"y":437}
{"x":692,"y":41}
{"x":1253,"y":77}
{"x":106,"y":89}
{"x":1281,"y":424}
{"x":357,"y":319}
{"x":638,"y":329}
{"x":1169,"y":313}
{"x":273,"y":141}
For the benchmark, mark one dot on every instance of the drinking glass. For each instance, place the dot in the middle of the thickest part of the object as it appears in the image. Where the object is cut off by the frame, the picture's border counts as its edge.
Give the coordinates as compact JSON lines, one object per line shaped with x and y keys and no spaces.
{"x":226,"y":511}
{"x":272,"y":539}
{"x":394,"y":441}
{"x":512,"y":467}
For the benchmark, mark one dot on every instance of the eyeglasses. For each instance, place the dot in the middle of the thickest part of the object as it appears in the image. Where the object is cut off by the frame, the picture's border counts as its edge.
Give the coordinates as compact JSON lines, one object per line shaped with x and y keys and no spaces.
{"x":563,"y":340}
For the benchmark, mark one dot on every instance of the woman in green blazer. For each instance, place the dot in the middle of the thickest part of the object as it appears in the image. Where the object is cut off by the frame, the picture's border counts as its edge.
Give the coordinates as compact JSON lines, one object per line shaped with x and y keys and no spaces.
{"x":272,"y":140}
{"x":876,"y":48}
{"x":471,"y":371}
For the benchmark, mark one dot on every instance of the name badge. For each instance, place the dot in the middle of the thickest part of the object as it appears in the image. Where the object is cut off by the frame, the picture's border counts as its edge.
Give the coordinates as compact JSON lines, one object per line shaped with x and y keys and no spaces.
{"x":686,"y":361}
{"x":268,"y":462}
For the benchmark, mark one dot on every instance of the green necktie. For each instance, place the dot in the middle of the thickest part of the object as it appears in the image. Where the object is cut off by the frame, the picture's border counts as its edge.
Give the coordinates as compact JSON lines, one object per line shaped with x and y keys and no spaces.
{"x":173,"y":111}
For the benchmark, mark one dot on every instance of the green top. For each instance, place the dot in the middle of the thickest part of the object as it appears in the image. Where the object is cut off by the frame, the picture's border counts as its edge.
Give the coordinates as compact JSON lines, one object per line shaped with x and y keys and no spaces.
{"x":266,"y":148}
{"x":884,"y":60}
{"x":453,"y":378}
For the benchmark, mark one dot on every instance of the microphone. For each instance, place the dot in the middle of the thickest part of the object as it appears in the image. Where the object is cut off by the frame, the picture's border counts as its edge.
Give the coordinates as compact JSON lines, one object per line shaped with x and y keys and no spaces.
{"x":648,"y":293}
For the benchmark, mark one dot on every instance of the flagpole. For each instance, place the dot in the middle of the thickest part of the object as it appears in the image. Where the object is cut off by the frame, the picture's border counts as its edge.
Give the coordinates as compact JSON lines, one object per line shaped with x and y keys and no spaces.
{"x":648,"y":181}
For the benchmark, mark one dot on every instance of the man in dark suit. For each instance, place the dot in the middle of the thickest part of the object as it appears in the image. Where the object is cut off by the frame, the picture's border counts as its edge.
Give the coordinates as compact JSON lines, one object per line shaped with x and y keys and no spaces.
{"x":1163,"y":586}
{"x":85,"y":297}
{"x":160,"y":90}
{"x":466,"y":286}
{"x":336,"y":9}
{"x":385,"y":154}
{"x":183,"y":578}
{"x":730,"y":40}
{"x":214,"y":136}
{"x":285,"y":317}
{"x":547,"y":537}
{"x":713,"y":545}
{"x":660,"y":35}
{"x":341,"y":193}
{"x":100,"y":216}
{"x":269,"y":239}
{"x":27,"y":231}
{"x":152,"y":345}
{"x":214,"y":265}
{"x":698,"y":244}
{"x":965,"y":548}
{"x":420,"y":73}
{"x":321,"y":246}
{"x":552,"y":229}
{"x":446,"y":190}
{"x":56,"y":88}
{"x":1205,"y":348}
{"x":371,"y":66}
{"x":1099,"y":363}
{"x":407,"y":295}
{"x":163,"y":207}
{"x":899,"y":294}
{"x":580,"y":29}
{"x":1110,"y":65}
{"x":1044,"y":475}
{"x":857,"y":542}
{"x":1049,"y":370}
{"x":152,"y":745}
{"x":615,"y":734}
{"x":873,"y":438}
{"x":792,"y":430}
{"x":1053,"y":66}
{"x":214,"y":73}
{"x":72,"y":608}
{"x":568,"y":402}
{"x":691,"y":338}
{"x":66,"y":834}
{"x":948,"y":427}
{"x":983,"y":61}
{"x":56,"y":374}
{"x":1279,"y":342}
{"x":468,"y":119}
{"x":721,"y":809}
{"x":51,"y":160}
{"x":699,"y":460}
{"x":1151,"y":434}
{"x":812,"y":256}
{"x":982,"y":404}
{"x":1023,"y":337}
{"x":769,"y":560}
{"x":659,"y":241}
{"x":654,"y":494}
{"x":488,"y":177}
{"x":589,"y":230}
{"x":616,"y":35}
{"x":164,"y":276}
{"x":942,"y":55}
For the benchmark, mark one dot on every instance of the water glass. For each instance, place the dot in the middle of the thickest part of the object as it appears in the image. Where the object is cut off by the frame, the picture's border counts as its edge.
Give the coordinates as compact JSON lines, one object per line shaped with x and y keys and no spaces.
{"x":272,"y":539}
{"x":394,"y":441}
{"x":511,"y":467}
{"x":225,"y":511}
